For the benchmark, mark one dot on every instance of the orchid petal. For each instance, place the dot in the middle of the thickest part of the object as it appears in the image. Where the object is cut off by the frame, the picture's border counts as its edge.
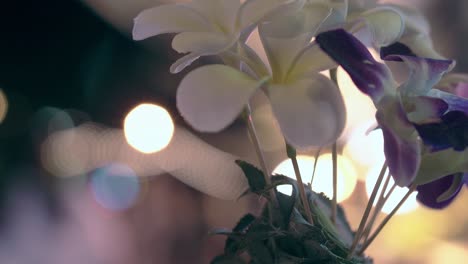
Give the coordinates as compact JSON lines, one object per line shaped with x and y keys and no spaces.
{"x":424,"y":73}
{"x":253,"y":12}
{"x":371,"y":77}
{"x":426,"y":109}
{"x":211,"y":97}
{"x":220,"y":12}
{"x":447,"y":187}
{"x":421,"y":45}
{"x":431,"y":169}
{"x":200,"y":42}
{"x":168,"y":19}
{"x":401,"y":144}
{"x":310,"y":59}
{"x":450,"y":132}
{"x":455,"y":103}
{"x":338,"y":12}
{"x":284,"y":37}
{"x":310,"y":111}
{"x":381,"y":26}
{"x":356,"y":6}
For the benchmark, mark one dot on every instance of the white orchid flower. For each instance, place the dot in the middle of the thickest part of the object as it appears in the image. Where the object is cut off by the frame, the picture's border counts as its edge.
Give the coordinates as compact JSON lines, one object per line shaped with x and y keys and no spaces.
{"x":206,"y":27}
{"x":308,"y":106}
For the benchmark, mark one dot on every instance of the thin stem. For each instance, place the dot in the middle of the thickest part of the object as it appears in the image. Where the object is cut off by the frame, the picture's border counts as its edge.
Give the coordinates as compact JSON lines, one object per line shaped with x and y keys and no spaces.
{"x":378,"y":207}
{"x":305,"y":201}
{"x":387,"y":218}
{"x":266,"y":174}
{"x":370,"y":203}
{"x":335,"y":183}
{"x":317,"y":154}
{"x":258,"y":151}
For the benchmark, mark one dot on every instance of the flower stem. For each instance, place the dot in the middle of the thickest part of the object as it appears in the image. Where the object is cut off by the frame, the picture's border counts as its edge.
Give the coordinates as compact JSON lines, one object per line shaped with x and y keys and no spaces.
{"x":291,"y":152}
{"x":273,"y":203}
{"x":357,"y":236}
{"x":335,"y":183}
{"x":258,"y":151}
{"x":378,"y":207}
{"x":317,"y":154}
{"x":387,"y":218}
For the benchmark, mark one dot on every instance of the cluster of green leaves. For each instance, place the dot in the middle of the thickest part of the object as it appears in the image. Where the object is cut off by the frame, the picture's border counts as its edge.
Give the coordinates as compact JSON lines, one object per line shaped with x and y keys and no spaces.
{"x":283,"y":235}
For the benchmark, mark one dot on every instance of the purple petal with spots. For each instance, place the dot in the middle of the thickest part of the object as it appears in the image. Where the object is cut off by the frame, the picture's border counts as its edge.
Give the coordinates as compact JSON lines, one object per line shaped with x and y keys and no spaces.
{"x":430,"y":192}
{"x":368,"y":75}
{"x":401,"y":145}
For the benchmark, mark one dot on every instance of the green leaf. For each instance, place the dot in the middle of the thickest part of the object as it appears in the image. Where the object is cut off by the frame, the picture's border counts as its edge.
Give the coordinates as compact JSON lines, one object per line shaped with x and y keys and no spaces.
{"x":254,"y":176}
{"x":286,"y":203}
{"x":260,"y":253}
{"x":235,"y":244}
{"x":245,"y":222}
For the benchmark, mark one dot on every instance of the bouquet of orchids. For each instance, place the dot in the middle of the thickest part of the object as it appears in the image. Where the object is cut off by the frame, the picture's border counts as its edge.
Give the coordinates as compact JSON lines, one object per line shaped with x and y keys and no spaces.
{"x":424,"y":119}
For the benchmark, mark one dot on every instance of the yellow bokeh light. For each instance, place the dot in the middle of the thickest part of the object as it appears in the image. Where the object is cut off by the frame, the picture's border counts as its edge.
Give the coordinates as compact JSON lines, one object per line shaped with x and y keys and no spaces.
{"x":148,"y":128}
{"x":411,"y":203}
{"x":3,"y":106}
{"x":448,"y":253}
{"x":323,"y":181}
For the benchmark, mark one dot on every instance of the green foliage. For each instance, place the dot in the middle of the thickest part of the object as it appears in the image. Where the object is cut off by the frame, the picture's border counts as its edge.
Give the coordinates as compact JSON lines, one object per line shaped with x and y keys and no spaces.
{"x":283,"y":235}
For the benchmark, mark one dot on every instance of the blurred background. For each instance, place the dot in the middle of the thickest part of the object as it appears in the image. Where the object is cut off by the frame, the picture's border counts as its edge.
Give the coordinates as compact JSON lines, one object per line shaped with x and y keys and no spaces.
{"x":78,"y":182}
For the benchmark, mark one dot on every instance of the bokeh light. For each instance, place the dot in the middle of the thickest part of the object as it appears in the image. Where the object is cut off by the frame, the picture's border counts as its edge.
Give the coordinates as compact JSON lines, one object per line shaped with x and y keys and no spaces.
{"x":411,"y":203}
{"x":323,"y":181}
{"x":115,"y":186}
{"x":148,"y":128}
{"x":365,"y":148}
{"x":3,"y":106}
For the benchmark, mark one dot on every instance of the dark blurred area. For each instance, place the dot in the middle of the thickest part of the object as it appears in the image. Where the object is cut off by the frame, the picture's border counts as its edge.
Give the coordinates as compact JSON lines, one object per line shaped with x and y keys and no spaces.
{"x":59,"y":54}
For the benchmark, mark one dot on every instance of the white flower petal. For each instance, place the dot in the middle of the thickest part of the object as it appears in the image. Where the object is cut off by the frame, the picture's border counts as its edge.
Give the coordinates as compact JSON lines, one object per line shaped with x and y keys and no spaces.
{"x":199,"y":44}
{"x":168,"y":19}
{"x":338,"y":12}
{"x":286,"y":36}
{"x":211,"y":97}
{"x":310,"y":111}
{"x":220,"y":12}
{"x":311,"y":59}
{"x":381,"y":26}
{"x":207,"y":43}
{"x":184,"y":62}
{"x":255,"y":11}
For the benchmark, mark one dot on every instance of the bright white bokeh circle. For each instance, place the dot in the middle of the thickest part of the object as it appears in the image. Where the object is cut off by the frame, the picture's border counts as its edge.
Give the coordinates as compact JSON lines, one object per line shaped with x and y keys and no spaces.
{"x":323,"y":181}
{"x":148,"y":128}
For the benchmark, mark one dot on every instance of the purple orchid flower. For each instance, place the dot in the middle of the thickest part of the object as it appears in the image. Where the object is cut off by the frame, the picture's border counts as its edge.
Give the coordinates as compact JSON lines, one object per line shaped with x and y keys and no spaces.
{"x":440,"y":193}
{"x":398,"y":109}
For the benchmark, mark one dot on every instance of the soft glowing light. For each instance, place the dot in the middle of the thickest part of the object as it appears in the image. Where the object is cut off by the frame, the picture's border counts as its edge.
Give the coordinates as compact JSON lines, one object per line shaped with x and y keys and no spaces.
{"x":115,"y":187}
{"x":323,"y":181}
{"x":366,"y":149}
{"x":3,"y":106}
{"x":148,"y":128}
{"x":359,"y":107}
{"x":411,"y":203}
{"x":448,"y":253}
